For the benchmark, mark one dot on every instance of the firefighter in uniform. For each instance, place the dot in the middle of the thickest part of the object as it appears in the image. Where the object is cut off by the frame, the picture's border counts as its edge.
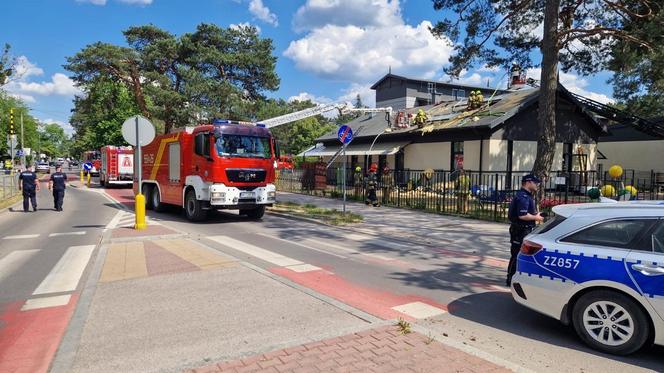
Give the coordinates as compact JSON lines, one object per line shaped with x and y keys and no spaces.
{"x":523,"y":217}
{"x":372,"y":184}
{"x":387,"y":181}
{"x":30,"y":186}
{"x":57,"y":185}
{"x":357,"y":182}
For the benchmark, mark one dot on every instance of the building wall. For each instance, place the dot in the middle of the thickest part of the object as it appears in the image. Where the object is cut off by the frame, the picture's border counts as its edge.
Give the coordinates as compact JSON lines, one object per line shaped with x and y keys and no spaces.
{"x":635,"y":155}
{"x":391,"y":89}
{"x":495,"y":155}
{"x":523,"y":155}
{"x":434,"y":155}
{"x":396,"y":104}
{"x":471,"y":155}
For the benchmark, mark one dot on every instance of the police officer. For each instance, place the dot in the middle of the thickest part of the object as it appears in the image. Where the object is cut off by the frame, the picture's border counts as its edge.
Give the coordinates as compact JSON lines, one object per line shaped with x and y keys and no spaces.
{"x":57,"y":185}
{"x":523,"y":216}
{"x":30,"y":186}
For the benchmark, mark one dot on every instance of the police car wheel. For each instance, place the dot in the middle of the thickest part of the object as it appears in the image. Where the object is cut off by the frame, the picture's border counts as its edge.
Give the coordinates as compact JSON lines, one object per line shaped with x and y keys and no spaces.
{"x":610,"y":322}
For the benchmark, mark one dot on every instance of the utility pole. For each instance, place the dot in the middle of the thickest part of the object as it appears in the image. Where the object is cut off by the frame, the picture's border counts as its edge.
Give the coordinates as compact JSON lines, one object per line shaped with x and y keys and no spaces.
{"x":22,"y":144}
{"x":12,"y":136}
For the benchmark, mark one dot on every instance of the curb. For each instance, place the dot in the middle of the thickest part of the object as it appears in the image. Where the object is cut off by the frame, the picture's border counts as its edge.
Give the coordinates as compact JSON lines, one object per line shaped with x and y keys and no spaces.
{"x":11,"y":204}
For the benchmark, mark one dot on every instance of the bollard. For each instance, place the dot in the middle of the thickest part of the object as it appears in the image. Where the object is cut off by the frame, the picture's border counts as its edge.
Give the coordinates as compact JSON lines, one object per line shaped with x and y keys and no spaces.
{"x":140,"y":212}
{"x":89,"y":177}
{"x":82,"y":180}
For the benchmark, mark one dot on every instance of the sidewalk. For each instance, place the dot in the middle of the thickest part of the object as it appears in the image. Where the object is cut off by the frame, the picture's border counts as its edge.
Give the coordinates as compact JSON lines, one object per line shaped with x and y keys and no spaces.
{"x":417,"y":226}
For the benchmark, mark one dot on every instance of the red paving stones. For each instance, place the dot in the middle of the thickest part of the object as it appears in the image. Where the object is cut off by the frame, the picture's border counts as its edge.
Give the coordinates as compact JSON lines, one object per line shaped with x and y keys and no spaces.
{"x":382,"y":349}
{"x":160,"y":261}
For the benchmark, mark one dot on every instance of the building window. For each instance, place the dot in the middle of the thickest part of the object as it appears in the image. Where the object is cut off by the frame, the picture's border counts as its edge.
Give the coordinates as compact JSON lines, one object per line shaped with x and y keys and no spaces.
{"x":457,"y":155}
{"x":458,"y":94}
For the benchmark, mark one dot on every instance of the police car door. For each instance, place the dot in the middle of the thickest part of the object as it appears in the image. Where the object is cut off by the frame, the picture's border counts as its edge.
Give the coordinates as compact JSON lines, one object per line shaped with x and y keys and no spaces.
{"x":646,"y":266}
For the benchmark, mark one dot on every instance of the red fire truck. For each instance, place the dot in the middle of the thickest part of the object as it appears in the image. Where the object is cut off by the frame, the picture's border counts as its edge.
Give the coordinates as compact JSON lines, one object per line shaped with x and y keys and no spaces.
{"x":117,"y":165}
{"x":224,"y":165}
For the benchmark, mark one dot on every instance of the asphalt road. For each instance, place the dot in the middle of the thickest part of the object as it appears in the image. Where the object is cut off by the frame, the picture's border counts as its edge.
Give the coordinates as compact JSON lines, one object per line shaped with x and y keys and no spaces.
{"x":377,"y":274}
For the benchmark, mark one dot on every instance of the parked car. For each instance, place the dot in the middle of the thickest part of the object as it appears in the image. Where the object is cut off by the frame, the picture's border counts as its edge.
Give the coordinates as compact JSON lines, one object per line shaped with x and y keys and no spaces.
{"x":74,"y":163}
{"x":599,"y":267}
{"x":43,"y":167}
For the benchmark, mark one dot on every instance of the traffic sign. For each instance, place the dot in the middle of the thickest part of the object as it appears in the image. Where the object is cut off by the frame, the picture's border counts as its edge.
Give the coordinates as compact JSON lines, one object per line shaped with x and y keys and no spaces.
{"x":345,"y":134}
{"x":138,"y":126}
{"x":19,"y":153}
{"x":87,"y":166}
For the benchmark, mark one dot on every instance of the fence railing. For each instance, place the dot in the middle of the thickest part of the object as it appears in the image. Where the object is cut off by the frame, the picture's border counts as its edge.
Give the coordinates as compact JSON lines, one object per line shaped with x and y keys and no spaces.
{"x":8,"y":187}
{"x":484,"y":195}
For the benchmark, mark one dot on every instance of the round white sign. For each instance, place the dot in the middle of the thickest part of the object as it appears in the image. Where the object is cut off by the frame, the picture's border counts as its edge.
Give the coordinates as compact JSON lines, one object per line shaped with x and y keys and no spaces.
{"x":138,"y":125}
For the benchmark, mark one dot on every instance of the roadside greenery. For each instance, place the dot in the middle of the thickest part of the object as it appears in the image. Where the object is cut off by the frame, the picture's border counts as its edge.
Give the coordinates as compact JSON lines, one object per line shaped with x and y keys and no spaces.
{"x":328,"y":216}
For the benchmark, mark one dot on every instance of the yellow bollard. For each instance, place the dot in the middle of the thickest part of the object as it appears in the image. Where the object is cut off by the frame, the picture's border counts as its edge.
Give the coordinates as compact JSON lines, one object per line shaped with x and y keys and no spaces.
{"x":89,"y":179}
{"x":82,"y":179}
{"x":140,"y":212}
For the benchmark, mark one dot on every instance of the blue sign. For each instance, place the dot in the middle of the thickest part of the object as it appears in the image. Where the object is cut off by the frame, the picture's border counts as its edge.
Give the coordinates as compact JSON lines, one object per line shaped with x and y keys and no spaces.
{"x":87,"y":166}
{"x":345,"y":134}
{"x":19,"y":153}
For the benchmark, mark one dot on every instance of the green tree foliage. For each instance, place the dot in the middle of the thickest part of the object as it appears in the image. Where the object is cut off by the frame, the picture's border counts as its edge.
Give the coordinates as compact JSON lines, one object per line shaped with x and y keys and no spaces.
{"x":6,"y":65}
{"x":638,"y":81}
{"x":98,"y":116}
{"x":29,"y":124}
{"x":577,"y":35}
{"x":52,"y":141}
{"x":297,"y":136}
{"x":211,"y":72}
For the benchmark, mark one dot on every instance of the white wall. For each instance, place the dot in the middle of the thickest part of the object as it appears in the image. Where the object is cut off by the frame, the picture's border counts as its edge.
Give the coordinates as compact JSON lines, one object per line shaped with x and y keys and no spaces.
{"x":635,"y":155}
{"x":523,"y":155}
{"x":558,"y":158}
{"x":431,"y":155}
{"x":495,"y":155}
{"x":471,"y":155}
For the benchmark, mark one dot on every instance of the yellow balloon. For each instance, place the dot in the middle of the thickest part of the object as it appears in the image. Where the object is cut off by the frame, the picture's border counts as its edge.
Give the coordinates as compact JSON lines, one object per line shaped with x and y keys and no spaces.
{"x":631,"y":190}
{"x":608,"y":191}
{"x":615,"y":171}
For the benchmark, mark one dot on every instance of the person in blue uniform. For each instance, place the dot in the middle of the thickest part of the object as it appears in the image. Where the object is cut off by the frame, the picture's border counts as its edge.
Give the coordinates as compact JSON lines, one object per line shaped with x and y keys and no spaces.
{"x":523,"y":217}
{"x":29,"y":185}
{"x":57,"y":185}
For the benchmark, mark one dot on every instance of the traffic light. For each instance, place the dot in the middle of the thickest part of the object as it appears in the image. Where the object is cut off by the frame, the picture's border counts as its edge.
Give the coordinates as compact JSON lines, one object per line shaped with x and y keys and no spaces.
{"x":11,"y":121}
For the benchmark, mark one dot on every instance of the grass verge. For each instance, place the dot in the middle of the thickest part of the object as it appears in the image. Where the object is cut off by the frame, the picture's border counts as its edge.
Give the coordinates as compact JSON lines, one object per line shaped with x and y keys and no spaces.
{"x":10,"y":201}
{"x":328,"y":216}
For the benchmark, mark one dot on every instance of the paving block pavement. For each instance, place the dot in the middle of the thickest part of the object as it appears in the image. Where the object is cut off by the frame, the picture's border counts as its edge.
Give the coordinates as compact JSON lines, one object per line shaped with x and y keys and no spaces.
{"x":381,"y":349}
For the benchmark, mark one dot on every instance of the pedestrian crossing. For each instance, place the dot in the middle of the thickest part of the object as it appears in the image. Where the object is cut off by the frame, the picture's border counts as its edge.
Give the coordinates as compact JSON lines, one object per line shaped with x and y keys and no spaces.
{"x":125,"y":219}
{"x":32,"y":236}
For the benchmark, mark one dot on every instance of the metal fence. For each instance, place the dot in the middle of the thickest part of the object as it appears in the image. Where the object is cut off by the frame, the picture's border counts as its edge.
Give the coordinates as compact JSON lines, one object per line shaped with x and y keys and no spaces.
{"x":8,"y":187}
{"x":482,"y":195}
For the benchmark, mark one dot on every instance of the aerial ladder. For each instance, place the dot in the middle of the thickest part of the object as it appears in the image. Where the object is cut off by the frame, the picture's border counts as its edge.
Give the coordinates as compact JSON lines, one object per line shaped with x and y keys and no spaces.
{"x":322,"y":109}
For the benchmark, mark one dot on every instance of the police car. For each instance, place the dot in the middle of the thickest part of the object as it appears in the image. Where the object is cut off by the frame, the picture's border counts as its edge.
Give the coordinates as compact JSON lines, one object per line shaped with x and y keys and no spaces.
{"x":599,"y":267}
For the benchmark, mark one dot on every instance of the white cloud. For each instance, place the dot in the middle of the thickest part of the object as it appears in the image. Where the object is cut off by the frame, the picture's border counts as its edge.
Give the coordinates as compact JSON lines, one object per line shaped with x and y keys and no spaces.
{"x":306,"y":96}
{"x":60,"y":84}
{"x":95,"y":2}
{"x":65,"y":126}
{"x":367,"y":95}
{"x":26,"y":98}
{"x":25,"y":68}
{"x":362,"y":13}
{"x":260,"y":11}
{"x":361,"y":55}
{"x":236,"y":26}
{"x":574,"y":84}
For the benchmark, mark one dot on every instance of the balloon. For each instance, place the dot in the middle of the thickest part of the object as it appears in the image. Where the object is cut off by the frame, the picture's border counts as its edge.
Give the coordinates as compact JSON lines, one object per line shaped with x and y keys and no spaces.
{"x":608,"y":191}
{"x":593,"y":193}
{"x":631,"y":190}
{"x":615,"y":171}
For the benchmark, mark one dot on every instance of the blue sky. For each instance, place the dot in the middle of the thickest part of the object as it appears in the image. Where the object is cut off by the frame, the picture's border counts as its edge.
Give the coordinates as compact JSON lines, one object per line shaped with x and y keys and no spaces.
{"x":328,"y":50}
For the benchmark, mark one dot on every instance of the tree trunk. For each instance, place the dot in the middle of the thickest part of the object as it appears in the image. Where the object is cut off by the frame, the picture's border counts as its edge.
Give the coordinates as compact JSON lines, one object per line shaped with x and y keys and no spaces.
{"x":546,"y":141}
{"x":138,"y":91}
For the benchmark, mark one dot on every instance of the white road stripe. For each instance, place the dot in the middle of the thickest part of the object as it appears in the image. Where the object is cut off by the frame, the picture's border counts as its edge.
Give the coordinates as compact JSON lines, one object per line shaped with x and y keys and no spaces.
{"x":255,"y":251}
{"x":301,"y":245}
{"x":21,"y":236}
{"x":303,"y":268}
{"x":67,"y":272}
{"x":419,"y":310}
{"x":78,"y":233}
{"x":353,"y":251}
{"x":36,"y":303}
{"x":13,"y":261}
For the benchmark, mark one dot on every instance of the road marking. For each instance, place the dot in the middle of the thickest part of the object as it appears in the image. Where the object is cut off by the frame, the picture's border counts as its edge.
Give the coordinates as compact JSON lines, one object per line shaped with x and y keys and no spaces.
{"x":13,"y":261}
{"x":301,"y":245}
{"x":257,"y":252}
{"x":124,"y":261}
{"x":78,"y":233}
{"x":419,"y":310}
{"x":195,"y":255}
{"x":67,"y":271}
{"x":300,"y":268}
{"x":37,"y":303}
{"x":21,"y":236}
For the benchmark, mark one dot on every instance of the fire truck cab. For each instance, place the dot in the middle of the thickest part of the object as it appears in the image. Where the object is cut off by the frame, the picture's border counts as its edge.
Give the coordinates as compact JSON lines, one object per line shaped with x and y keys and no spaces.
{"x":117,"y":165}
{"x":224,"y":165}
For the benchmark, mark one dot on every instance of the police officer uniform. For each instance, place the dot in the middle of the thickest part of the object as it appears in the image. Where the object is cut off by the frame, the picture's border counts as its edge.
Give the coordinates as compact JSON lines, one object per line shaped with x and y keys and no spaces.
{"x":29,"y":187}
{"x":58,"y":179}
{"x":522,"y":204}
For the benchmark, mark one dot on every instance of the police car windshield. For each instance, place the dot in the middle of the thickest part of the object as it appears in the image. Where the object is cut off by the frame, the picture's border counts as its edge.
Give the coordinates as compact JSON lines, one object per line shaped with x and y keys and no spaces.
{"x":550,"y":223}
{"x":243,"y":146}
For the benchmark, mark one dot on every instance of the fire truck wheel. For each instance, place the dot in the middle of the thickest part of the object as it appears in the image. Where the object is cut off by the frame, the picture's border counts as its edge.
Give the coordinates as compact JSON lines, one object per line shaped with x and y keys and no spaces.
{"x":255,"y":214}
{"x":148,"y":196}
{"x":192,"y":207}
{"x":101,"y":181}
{"x":156,"y":201}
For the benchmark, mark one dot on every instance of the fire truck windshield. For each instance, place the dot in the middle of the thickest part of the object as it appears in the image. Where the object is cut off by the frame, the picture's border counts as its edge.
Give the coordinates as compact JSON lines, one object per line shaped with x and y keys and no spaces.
{"x":243,"y":146}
